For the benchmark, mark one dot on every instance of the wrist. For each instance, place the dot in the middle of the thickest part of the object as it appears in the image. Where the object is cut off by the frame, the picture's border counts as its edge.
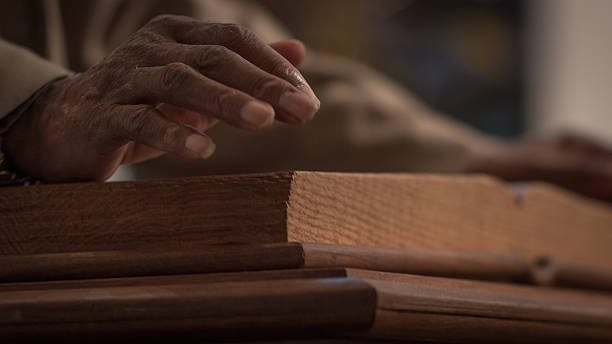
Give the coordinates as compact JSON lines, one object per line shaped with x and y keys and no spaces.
{"x":20,"y":139}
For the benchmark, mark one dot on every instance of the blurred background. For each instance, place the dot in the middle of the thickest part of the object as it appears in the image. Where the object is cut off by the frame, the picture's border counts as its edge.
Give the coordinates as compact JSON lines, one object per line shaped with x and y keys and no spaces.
{"x":506,"y":67}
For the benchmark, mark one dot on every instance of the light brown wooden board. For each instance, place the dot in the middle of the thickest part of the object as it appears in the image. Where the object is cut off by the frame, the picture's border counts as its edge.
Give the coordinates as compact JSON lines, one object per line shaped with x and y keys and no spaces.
{"x":457,"y":213}
{"x":464,"y":213}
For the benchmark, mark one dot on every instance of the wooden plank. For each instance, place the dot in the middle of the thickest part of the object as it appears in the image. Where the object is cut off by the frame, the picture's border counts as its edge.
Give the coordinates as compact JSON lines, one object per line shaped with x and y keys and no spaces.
{"x":104,"y":264}
{"x":230,"y":310}
{"x":462,"y":213}
{"x":456,"y":213}
{"x":175,"y":213}
{"x":453,"y":310}
{"x":444,"y":328}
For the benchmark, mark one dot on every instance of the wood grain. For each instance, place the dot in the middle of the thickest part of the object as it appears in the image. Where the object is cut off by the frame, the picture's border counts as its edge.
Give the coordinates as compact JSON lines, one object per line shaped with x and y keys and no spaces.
{"x":412,"y":293}
{"x":230,"y":310}
{"x":174,"y":213}
{"x":458,"y":213}
{"x":447,"y":310}
{"x":444,"y":328}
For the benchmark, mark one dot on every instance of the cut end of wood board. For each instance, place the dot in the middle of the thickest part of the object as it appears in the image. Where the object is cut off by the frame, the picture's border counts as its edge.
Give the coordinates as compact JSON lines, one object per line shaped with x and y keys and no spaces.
{"x":460,"y":212}
{"x":165,"y":214}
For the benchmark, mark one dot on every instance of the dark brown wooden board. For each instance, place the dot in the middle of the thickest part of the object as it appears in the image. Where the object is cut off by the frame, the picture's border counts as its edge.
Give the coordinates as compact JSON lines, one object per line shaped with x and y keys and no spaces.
{"x":174,"y":213}
{"x":433,"y":309}
{"x":230,"y":310}
{"x":413,"y":293}
{"x":444,"y":328}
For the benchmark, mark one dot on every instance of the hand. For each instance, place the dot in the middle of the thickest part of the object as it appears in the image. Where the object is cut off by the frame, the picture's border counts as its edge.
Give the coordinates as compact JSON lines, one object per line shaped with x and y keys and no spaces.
{"x":572,"y":162}
{"x":156,"y":93}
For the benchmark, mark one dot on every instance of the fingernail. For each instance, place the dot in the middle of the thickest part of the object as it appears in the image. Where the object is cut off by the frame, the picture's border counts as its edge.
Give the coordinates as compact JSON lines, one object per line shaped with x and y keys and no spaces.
{"x":306,"y":88}
{"x":299,"y":104}
{"x":257,"y":114}
{"x":200,"y":145}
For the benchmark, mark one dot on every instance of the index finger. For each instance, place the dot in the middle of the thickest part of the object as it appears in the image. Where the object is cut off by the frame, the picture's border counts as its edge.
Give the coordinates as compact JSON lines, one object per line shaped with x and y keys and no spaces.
{"x":240,"y":40}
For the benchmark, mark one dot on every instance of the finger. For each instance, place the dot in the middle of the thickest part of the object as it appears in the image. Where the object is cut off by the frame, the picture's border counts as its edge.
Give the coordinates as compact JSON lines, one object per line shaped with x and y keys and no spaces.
{"x":293,"y":50}
{"x":182,"y":86}
{"x":191,"y":118}
{"x":242,"y":41}
{"x":146,"y":125}
{"x":227,"y":67}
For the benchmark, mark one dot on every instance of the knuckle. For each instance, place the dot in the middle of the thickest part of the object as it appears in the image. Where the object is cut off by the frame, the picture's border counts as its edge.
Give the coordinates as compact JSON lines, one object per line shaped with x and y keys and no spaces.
{"x":282,"y":69}
{"x":170,"y":136}
{"x":212,"y":57}
{"x":266,"y":86}
{"x":135,"y":125}
{"x":174,"y":76}
{"x":223,"y":101}
{"x":233,"y":34}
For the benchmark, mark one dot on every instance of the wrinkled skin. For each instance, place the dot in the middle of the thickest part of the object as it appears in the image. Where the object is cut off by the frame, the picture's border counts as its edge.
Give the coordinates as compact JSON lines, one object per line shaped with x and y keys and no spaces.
{"x":157,"y":93}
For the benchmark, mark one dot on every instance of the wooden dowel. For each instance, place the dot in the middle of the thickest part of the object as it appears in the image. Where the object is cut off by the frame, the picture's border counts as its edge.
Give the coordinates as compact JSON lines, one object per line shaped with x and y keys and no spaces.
{"x":546,"y":271}
{"x":243,"y":276}
{"x":472,"y":265}
{"x":101,"y":264}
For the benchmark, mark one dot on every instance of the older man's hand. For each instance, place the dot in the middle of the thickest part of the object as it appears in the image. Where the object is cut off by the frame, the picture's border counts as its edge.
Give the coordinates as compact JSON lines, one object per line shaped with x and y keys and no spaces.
{"x":156,"y":93}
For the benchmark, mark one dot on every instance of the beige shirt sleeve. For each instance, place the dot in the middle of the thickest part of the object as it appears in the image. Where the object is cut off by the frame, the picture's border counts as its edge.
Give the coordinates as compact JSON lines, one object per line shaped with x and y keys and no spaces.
{"x":21,"y":74}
